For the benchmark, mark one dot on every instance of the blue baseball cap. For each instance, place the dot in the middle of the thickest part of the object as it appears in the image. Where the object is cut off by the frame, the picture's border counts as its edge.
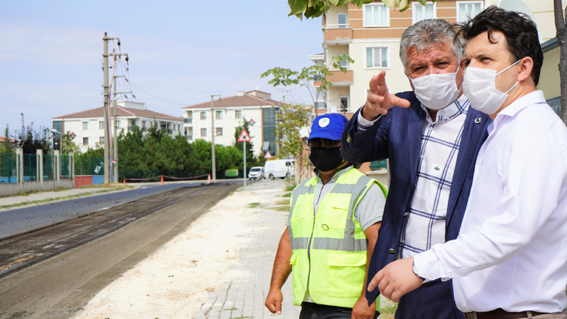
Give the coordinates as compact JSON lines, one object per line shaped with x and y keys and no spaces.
{"x":329,"y":126}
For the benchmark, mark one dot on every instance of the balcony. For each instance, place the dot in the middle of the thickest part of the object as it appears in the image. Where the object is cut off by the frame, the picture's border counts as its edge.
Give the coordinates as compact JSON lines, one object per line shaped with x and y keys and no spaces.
{"x":189,"y":137}
{"x":337,"y":35}
{"x":186,"y":120}
{"x":340,"y":78}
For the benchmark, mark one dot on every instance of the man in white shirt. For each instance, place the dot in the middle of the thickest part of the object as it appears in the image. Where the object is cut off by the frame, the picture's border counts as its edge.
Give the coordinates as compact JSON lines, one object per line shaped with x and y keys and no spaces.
{"x":510,"y":258}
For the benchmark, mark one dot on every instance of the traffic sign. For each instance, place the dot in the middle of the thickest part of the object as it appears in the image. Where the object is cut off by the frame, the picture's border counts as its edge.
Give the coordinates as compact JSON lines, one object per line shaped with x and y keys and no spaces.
{"x":268,"y":155}
{"x":244,"y":136}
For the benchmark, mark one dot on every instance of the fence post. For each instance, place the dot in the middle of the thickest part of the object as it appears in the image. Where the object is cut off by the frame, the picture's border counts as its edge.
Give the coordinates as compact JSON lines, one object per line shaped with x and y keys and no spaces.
{"x":20,"y":167}
{"x":72,"y":166}
{"x":57,"y":167}
{"x":39,"y":171}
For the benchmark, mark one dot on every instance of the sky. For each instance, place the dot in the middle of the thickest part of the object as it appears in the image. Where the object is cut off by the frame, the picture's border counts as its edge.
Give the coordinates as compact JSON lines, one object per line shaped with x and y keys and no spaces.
{"x":180,"y":53}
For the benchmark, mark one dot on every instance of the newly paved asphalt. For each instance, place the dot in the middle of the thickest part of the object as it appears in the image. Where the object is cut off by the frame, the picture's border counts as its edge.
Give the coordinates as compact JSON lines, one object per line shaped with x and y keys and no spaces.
{"x":18,"y":220}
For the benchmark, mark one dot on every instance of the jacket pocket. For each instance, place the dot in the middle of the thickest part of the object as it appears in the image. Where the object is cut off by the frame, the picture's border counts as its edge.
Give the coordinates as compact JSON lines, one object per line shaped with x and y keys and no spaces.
{"x":346,"y":274}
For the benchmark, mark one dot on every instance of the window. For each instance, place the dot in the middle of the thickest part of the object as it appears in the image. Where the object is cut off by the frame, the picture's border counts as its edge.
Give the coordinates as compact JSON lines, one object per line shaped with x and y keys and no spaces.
{"x":85,"y":125}
{"x":421,"y":13}
{"x":342,"y":20}
{"x":203,"y":115}
{"x":101,"y":140}
{"x":100,"y":124}
{"x":467,"y":10}
{"x":218,"y":131}
{"x":238,"y":114}
{"x":218,"y":115}
{"x":377,"y":57}
{"x":341,"y":58}
{"x":344,"y":104}
{"x":376,"y":15}
{"x":143,"y":125}
{"x":85,"y":141}
{"x":203,"y":132}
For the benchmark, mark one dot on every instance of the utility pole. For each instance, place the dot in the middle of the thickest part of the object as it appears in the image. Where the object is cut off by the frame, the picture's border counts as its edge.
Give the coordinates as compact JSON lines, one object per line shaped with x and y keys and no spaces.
{"x":105,"y":40}
{"x":213,"y":138}
{"x":107,"y":117}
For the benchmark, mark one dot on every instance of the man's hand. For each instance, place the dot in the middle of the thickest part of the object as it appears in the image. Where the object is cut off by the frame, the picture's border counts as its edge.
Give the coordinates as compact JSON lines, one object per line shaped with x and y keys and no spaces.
{"x":396,"y":279}
{"x":379,"y":99}
{"x":274,"y":301}
{"x":361,"y":309}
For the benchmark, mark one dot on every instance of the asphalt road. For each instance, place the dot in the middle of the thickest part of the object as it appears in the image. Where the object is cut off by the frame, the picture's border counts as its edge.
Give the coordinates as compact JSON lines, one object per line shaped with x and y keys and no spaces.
{"x":59,"y":286}
{"x":16,"y":221}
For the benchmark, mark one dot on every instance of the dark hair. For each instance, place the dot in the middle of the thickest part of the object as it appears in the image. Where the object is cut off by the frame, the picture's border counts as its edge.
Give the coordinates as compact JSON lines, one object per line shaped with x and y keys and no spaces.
{"x":520,"y":32}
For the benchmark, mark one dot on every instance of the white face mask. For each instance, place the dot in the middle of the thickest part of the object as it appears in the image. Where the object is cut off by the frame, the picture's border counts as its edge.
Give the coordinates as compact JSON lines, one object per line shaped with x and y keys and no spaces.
{"x":479,"y":86}
{"x":436,"y":91}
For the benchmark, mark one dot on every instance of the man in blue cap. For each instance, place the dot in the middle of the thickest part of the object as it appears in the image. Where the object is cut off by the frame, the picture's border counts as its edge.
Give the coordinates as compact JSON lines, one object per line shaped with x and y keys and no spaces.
{"x":332,"y":229}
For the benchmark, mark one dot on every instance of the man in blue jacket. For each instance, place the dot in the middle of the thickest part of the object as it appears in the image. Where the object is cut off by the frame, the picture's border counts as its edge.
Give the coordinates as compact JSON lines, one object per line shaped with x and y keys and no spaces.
{"x":431,"y":138}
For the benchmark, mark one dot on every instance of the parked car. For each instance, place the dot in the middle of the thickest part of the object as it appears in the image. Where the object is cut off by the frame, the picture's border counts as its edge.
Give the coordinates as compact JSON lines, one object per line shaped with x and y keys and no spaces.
{"x":284,"y":168}
{"x":256,"y":172}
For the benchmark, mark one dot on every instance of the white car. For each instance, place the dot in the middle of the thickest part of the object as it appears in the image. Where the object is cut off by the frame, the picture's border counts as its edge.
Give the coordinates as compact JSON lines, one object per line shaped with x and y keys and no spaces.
{"x":283,"y":168}
{"x":256,"y":172}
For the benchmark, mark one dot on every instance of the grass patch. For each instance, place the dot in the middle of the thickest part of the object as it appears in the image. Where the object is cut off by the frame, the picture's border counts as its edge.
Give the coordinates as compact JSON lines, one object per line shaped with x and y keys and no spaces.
{"x":282,"y":208}
{"x":286,"y":195}
{"x":233,"y":308}
{"x":242,"y":317}
{"x":282,"y":202}
{"x":254,"y":205}
{"x":389,"y":308}
{"x":291,"y":187}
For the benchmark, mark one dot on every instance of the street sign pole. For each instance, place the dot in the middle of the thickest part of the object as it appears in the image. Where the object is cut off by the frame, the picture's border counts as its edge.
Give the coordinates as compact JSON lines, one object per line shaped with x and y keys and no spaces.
{"x":244,"y":137}
{"x":244,"y":156}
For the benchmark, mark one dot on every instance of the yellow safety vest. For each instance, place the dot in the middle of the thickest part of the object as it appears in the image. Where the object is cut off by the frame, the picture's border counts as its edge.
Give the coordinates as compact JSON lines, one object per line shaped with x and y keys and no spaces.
{"x":329,"y":247}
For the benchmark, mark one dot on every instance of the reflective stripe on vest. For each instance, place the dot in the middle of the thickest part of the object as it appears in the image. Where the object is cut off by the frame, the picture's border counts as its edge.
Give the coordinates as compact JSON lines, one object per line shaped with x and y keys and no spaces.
{"x":348,"y":242}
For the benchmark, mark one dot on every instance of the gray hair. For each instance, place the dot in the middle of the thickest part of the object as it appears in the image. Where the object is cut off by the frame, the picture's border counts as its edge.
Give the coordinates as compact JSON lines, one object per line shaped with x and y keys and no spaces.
{"x":426,"y":32}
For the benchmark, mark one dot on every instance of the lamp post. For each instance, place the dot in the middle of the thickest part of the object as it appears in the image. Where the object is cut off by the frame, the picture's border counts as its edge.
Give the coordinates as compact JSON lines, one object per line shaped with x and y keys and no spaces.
{"x":214,"y":172}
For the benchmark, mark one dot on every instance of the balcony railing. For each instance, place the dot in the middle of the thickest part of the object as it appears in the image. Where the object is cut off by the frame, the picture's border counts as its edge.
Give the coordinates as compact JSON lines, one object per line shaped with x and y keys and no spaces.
{"x":189,"y":137}
{"x":186,"y":120}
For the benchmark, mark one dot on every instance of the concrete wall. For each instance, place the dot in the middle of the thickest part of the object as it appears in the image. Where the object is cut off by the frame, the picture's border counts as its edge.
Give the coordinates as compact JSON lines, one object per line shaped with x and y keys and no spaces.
{"x":26,"y":187}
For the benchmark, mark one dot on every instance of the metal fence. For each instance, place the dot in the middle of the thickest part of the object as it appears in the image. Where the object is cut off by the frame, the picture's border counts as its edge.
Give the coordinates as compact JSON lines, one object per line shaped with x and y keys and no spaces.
{"x":48,"y":167}
{"x":30,"y":168}
{"x":8,"y":167}
{"x":89,"y":166}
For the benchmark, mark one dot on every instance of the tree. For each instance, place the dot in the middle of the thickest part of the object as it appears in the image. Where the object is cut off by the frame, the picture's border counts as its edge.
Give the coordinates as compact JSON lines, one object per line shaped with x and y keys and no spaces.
{"x":308,"y":75}
{"x":68,"y":146}
{"x":315,"y":8}
{"x":561,"y":29}
{"x":291,"y":119}
{"x":6,"y":146}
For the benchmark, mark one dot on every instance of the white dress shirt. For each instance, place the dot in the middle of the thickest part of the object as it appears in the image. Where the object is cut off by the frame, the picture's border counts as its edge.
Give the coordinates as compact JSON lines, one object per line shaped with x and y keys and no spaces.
{"x":512,"y":249}
{"x":440,"y":143}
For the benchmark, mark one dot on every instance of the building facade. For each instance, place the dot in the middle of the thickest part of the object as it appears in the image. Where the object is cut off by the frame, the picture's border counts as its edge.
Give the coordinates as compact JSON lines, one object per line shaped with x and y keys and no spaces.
{"x":88,"y":125}
{"x":370,"y":35}
{"x":228,"y":113}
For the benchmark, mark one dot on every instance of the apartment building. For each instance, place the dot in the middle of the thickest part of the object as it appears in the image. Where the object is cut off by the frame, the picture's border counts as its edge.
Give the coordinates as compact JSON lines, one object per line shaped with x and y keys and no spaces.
{"x":88,"y":125}
{"x":228,"y":113}
{"x":370,"y":35}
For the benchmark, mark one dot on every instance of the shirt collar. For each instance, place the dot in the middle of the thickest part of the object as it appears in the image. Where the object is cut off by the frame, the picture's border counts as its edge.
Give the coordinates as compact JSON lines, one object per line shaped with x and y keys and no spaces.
{"x":460,"y":106}
{"x":337,"y":174}
{"x":516,"y":107}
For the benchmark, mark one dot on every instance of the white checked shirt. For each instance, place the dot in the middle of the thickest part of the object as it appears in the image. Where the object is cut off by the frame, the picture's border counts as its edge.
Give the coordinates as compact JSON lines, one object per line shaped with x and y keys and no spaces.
{"x":440,"y":143}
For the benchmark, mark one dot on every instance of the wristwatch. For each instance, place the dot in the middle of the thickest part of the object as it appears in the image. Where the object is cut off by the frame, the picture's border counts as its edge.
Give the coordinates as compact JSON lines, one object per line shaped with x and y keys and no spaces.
{"x":414,"y":269}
